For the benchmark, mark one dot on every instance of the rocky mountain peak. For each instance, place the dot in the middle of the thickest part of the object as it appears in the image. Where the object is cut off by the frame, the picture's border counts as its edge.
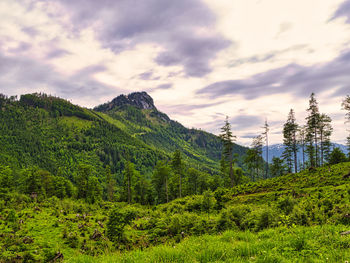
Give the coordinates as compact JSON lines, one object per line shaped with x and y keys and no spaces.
{"x":139,"y":100}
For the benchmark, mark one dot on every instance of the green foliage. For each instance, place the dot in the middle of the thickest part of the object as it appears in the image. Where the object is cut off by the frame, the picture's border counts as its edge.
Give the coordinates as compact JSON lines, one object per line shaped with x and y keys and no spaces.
{"x":53,"y":150}
{"x":286,"y":204}
{"x":277,"y":168}
{"x":337,"y":156}
{"x":118,"y":219}
{"x":290,"y":129}
{"x":285,"y":210}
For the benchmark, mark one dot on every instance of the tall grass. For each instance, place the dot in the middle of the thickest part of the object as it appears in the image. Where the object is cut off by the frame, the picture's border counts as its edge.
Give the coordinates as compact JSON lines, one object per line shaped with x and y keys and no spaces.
{"x":299,"y":244}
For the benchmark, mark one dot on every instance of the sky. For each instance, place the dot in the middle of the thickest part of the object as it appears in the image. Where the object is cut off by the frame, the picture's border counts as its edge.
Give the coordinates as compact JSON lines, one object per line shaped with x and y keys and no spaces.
{"x":200,"y":60}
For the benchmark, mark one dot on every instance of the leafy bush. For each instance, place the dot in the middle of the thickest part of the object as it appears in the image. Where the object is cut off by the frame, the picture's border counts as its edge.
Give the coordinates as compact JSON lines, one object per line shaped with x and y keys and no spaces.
{"x":118,"y":219}
{"x":286,"y":204}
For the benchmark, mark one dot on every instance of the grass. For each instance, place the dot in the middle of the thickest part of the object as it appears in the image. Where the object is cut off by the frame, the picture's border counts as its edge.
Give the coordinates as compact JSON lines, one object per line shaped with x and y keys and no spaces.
{"x":299,"y":244}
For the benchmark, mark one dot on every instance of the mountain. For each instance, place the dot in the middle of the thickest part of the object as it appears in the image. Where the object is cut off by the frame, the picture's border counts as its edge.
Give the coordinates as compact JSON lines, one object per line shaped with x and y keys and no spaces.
{"x":140,"y":100}
{"x":137,"y":115}
{"x":53,"y":134}
{"x":276,"y":150}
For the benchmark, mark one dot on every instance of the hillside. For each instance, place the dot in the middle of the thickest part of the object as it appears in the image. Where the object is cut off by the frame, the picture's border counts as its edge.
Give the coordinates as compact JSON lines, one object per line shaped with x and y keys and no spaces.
{"x":137,"y":115}
{"x":53,"y":134}
{"x":292,"y":218}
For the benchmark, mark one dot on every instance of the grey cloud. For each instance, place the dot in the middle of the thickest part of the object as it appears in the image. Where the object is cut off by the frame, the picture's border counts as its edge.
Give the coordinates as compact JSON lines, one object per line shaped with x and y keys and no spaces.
{"x":248,"y":136}
{"x":56,"y":53}
{"x":164,"y":86}
{"x":174,"y":74}
{"x":246,"y":121}
{"x":341,"y":91}
{"x":338,"y":116}
{"x":22,"y":47}
{"x":192,"y":52}
{"x":343,"y":11}
{"x":173,"y":24}
{"x":30,"y":31}
{"x":18,"y":74}
{"x":185,"y":109}
{"x":265,"y":57}
{"x":146,"y":75}
{"x":294,"y":79}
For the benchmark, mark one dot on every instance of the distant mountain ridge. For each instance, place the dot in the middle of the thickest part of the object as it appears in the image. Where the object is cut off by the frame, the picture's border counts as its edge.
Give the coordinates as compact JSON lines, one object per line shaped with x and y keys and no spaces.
{"x":157,"y":129}
{"x":276,"y":150}
{"x":50,"y":132}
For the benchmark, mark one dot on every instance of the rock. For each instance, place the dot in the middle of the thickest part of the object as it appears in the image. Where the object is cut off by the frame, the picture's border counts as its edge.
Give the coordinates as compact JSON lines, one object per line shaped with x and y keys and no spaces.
{"x":139,"y":100}
{"x":100,"y":224}
{"x":345,"y":233}
{"x":96,"y":235}
{"x":58,"y":257}
{"x":28,"y":240}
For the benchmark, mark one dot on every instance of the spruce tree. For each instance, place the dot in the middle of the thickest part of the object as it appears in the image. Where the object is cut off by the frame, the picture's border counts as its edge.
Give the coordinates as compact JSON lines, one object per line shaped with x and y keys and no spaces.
{"x":227,"y":139}
{"x":265,"y":134}
{"x":277,"y":167}
{"x":312,"y":131}
{"x":257,"y":154}
{"x":346,"y":106}
{"x":301,"y":143}
{"x":110,"y":184}
{"x":325,"y":131}
{"x":160,"y":181}
{"x":290,"y":129}
{"x":129,"y":173}
{"x":177,"y":166}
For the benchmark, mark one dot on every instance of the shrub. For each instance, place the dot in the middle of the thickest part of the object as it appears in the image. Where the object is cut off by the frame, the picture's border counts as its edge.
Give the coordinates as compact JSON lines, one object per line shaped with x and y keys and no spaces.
{"x":118,"y":219}
{"x":286,"y":204}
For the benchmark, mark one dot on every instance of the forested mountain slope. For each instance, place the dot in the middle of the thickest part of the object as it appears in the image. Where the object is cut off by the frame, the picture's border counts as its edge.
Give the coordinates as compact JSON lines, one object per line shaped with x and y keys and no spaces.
{"x":137,"y":115}
{"x":55,"y":135}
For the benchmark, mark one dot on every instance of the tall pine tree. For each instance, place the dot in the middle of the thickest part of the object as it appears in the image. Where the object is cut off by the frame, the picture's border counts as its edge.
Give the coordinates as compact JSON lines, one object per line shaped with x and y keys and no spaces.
{"x":227,"y":139}
{"x":177,"y":165}
{"x":312,"y":122}
{"x":325,"y":131}
{"x":257,"y":154}
{"x":301,"y":142}
{"x":265,"y":135}
{"x":346,"y":106}
{"x":290,"y":130}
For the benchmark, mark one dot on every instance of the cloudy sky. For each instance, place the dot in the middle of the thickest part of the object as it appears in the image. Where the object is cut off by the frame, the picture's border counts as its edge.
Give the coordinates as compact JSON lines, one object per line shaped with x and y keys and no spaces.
{"x":200,"y":60}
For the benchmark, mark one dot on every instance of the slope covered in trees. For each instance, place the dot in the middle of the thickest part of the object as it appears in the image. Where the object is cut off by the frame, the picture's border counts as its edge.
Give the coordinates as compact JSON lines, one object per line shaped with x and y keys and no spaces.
{"x":52,"y":133}
{"x":54,"y":148}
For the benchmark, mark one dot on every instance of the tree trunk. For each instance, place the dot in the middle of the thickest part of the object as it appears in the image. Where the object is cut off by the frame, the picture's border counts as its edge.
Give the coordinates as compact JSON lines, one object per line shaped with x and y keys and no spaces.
{"x":295,"y":153}
{"x":303,"y":149}
{"x":166,"y":189}
{"x":267,"y":157}
{"x":316,"y":149}
{"x":180,"y":185}
{"x":129,"y":189}
{"x":321,"y":145}
{"x":231,"y":174}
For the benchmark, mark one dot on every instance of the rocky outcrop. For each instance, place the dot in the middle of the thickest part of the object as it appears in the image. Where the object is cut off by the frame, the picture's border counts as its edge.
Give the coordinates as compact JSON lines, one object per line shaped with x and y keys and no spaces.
{"x":139,"y":100}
